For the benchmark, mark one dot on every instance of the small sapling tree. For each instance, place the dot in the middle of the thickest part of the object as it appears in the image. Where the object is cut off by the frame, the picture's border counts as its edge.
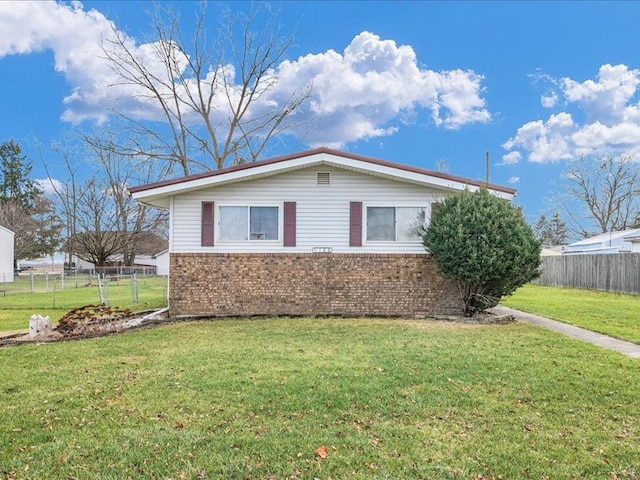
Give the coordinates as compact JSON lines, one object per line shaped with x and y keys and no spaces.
{"x":483,"y":243}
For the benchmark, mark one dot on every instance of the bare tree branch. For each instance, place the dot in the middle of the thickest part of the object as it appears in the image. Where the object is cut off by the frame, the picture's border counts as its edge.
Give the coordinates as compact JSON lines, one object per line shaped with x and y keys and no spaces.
{"x":212,"y":96}
{"x":606,"y":191}
{"x":102,"y":221}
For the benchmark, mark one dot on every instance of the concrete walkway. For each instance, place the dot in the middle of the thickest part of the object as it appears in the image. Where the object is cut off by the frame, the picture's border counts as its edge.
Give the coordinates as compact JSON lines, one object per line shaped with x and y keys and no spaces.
{"x":604,"y":341}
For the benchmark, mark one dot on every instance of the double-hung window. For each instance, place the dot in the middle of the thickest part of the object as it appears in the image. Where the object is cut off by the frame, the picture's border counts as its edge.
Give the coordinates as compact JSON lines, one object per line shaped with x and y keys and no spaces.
{"x":395,"y":224}
{"x":248,"y":223}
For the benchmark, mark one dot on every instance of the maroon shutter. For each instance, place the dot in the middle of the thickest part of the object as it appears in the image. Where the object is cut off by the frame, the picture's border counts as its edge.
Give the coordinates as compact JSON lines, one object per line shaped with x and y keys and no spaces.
{"x":289,"y":224}
{"x":355,"y":224}
{"x":207,"y":224}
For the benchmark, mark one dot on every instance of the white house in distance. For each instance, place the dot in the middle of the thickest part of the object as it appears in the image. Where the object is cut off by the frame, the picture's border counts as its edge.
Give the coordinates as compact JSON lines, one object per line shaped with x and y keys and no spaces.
{"x":162,"y":263}
{"x":6,"y":254}
{"x":624,"y":241}
{"x":322,"y":232}
{"x":147,"y":247}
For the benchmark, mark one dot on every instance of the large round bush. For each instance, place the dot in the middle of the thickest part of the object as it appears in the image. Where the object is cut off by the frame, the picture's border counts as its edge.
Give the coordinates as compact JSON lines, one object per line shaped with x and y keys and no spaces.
{"x":484,"y":243}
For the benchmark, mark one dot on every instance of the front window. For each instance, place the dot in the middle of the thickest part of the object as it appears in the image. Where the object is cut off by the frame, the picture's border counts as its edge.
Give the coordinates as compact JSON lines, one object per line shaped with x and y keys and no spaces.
{"x":395,"y":224}
{"x":241,"y":223}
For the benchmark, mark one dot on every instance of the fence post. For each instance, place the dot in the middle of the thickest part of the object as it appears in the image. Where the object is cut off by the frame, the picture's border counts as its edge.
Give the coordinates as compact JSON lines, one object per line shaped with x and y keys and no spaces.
{"x":31,"y":282}
{"x":102,"y":289}
{"x":134,"y":288}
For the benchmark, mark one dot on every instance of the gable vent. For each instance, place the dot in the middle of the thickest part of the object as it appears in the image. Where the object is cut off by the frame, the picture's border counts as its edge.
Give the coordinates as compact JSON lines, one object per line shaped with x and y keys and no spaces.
{"x":323,"y":178}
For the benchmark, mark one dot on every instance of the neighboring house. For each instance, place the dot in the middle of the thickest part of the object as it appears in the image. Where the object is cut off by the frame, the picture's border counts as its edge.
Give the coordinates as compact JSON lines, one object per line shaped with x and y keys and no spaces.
{"x":322,"y":232}
{"x":162,"y":263}
{"x":6,"y":254}
{"x":612,"y":242}
{"x":116,"y":261}
{"x":148,"y":245}
{"x":634,"y":241}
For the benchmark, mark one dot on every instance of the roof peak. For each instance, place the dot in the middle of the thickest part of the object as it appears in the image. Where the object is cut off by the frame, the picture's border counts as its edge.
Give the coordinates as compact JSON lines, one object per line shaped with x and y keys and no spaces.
{"x":319,"y":151}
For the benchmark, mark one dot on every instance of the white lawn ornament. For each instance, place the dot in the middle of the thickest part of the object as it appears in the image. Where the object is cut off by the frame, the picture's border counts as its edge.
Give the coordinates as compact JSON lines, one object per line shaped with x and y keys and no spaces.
{"x":40,"y":326}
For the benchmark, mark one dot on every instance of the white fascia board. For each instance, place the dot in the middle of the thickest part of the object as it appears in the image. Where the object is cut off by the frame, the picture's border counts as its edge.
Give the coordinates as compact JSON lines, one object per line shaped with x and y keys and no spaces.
{"x":158,"y":196}
{"x":406,"y":175}
{"x":5,"y":229}
{"x":155,"y":195}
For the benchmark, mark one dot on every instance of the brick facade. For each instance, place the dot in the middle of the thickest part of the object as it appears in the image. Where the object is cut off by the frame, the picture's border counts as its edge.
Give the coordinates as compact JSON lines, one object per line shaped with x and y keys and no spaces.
{"x":309,"y":284}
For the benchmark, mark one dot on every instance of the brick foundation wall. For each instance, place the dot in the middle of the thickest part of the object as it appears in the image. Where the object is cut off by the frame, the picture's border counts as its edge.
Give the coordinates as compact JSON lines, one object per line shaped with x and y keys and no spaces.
{"x":309,"y":284}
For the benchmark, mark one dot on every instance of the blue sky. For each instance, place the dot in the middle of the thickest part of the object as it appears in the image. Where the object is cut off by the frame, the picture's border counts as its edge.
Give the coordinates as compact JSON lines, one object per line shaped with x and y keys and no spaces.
{"x":536,"y":84}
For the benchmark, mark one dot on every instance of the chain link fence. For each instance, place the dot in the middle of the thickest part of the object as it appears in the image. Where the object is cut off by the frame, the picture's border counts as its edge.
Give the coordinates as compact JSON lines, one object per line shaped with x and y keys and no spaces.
{"x":36,"y":282}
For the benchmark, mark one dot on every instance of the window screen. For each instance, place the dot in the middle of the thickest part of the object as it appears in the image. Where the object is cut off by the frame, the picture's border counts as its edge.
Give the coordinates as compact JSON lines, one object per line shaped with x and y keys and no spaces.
{"x":390,"y":224}
{"x":241,"y":223}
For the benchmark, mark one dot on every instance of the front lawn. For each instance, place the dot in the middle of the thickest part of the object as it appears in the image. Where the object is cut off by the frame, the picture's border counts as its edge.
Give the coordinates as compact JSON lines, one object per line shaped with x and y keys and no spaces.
{"x":615,"y":314}
{"x":320,"y":398}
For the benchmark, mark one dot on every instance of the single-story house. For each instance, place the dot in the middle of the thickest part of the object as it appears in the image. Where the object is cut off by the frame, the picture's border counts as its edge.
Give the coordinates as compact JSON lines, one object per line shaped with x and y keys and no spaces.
{"x":7,"y":248}
{"x":147,"y":246}
{"x":623,"y":241}
{"x":322,"y":232}
{"x":633,"y":239}
{"x":116,"y":261}
{"x":162,"y":262}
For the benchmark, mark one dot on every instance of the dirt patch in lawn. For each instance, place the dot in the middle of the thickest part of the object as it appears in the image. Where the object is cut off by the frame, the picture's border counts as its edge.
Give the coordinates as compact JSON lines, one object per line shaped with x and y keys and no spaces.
{"x":91,"y":321}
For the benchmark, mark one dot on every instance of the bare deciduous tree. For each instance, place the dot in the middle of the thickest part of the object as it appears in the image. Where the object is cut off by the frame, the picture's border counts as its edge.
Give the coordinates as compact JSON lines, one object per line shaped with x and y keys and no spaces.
{"x":69,"y":193}
{"x":214,"y":96}
{"x":606,"y":191}
{"x":102,"y":221}
{"x":136,"y":222}
{"x":109,"y":225}
{"x":97,"y":236}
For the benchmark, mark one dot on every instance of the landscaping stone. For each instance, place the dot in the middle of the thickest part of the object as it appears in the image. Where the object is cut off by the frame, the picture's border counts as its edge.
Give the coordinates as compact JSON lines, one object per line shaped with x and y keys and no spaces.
{"x":40,"y":327}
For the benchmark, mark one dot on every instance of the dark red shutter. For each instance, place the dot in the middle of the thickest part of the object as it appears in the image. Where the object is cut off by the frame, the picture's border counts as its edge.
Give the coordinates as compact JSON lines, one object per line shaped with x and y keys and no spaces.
{"x":207,"y":224}
{"x":355,"y":224}
{"x":289,"y":224}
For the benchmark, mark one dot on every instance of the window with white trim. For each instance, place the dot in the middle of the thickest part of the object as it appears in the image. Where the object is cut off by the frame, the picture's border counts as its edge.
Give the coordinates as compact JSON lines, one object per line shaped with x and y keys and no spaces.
{"x":395,"y":224}
{"x":248,"y":223}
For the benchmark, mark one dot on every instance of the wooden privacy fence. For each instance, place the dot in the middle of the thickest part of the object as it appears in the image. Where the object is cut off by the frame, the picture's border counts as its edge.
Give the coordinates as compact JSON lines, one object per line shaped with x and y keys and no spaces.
{"x":616,"y":272}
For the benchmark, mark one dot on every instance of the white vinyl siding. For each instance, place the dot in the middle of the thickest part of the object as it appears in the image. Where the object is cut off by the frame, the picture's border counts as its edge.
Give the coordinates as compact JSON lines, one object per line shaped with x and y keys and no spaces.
{"x":6,"y":255}
{"x":322,"y":214}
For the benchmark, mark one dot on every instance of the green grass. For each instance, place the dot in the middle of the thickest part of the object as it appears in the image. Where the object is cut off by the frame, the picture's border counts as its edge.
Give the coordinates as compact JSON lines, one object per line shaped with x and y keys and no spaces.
{"x":614,"y":314}
{"x":17,"y":306}
{"x":390,"y":399}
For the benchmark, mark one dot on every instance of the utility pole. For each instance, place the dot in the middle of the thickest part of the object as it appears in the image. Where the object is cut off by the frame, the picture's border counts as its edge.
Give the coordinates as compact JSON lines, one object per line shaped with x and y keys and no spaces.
{"x":486,"y":167}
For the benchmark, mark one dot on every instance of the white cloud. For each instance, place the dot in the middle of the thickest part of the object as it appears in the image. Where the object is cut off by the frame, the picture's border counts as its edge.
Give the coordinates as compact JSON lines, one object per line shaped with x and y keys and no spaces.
{"x":50,"y":185}
{"x":511,"y":158}
{"x":74,"y":36}
{"x":609,"y":113}
{"x":360,"y":93}
{"x":549,"y":101}
{"x":366,"y":91}
{"x":544,"y":140}
{"x":513,"y":180}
